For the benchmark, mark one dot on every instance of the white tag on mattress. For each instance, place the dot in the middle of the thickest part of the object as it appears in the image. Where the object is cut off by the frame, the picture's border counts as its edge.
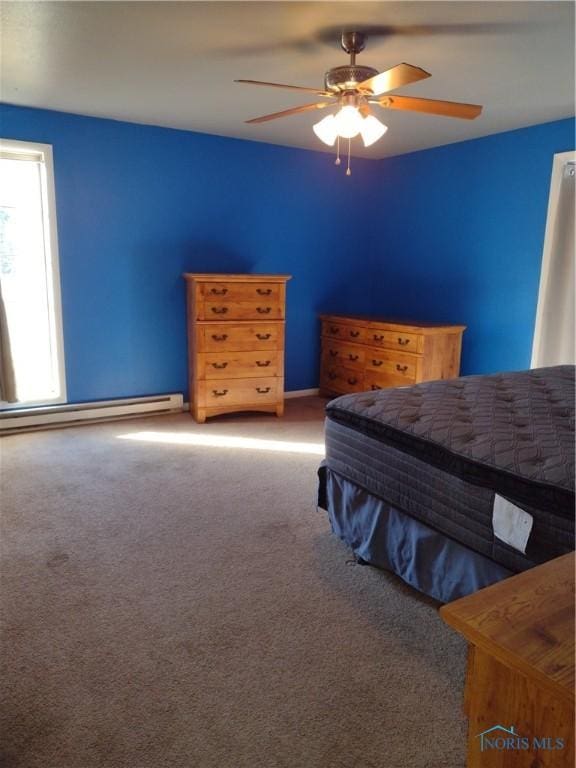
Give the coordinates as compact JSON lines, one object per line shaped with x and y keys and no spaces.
{"x":511,"y":524}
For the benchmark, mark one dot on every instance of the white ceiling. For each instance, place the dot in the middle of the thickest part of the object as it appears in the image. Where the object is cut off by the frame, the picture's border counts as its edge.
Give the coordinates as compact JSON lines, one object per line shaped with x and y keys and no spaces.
{"x":173,"y":64}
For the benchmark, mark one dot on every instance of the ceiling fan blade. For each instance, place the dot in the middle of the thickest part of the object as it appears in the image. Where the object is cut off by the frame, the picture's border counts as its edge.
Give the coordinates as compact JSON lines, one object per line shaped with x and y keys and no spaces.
{"x":286,"y":112}
{"x":432,"y":106}
{"x":331,"y":35}
{"x":398,"y":76}
{"x":317,"y":91}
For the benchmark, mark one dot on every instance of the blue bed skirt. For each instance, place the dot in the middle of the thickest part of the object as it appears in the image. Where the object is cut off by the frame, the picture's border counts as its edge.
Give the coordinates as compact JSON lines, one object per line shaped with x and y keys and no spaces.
{"x":386,"y":537}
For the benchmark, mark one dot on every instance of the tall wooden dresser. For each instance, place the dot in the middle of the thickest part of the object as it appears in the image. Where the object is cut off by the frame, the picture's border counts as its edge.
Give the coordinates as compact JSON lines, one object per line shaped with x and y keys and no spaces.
{"x":235,"y":343}
{"x":367,"y":353}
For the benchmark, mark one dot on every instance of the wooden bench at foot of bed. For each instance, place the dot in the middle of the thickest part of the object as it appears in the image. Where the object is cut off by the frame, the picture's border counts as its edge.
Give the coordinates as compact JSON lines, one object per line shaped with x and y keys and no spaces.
{"x":519,"y":696}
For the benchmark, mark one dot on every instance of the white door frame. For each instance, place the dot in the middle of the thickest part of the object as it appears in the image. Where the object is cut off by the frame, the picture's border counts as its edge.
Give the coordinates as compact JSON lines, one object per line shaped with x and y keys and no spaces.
{"x":558,"y":164}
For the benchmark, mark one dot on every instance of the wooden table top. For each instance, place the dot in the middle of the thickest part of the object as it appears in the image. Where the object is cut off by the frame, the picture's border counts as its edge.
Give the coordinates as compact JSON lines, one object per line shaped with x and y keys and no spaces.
{"x":406,"y":324}
{"x":526,"y":622}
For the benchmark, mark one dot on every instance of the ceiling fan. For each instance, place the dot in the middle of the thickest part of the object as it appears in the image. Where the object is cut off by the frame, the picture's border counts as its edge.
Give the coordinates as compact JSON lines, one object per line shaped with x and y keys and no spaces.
{"x":355,"y":88}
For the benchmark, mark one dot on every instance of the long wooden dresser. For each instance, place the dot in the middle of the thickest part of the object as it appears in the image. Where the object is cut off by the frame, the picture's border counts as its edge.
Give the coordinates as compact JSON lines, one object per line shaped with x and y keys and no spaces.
{"x":235,"y":343}
{"x":364,"y":353}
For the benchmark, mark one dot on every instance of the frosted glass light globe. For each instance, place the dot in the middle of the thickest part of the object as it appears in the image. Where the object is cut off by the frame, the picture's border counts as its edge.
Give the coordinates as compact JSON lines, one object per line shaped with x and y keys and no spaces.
{"x":348,"y":122}
{"x":326,"y":130}
{"x":372,"y":130}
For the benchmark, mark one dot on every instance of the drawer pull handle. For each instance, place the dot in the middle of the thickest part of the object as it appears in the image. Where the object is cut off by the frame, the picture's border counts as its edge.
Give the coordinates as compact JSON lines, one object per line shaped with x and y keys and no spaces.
{"x":401,"y":368}
{"x":263,"y":310}
{"x":353,"y":358}
{"x":263,"y":363}
{"x":219,"y":291}
{"x":374,"y":387}
{"x":263,"y":336}
{"x":219,"y":365}
{"x":264,"y":291}
{"x":403,"y":342}
{"x":354,"y":334}
{"x":377,"y":363}
{"x":352,"y":381}
{"x":378,"y":337}
{"x":333,"y":352}
{"x":334,"y":329}
{"x":219,"y":310}
{"x":332,"y":375}
{"x":263,"y":390}
{"x":219,"y":336}
{"x":219,"y":392}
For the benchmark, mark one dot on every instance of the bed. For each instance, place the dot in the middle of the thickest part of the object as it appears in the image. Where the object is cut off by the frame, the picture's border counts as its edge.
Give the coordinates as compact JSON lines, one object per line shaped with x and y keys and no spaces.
{"x":454,"y":484}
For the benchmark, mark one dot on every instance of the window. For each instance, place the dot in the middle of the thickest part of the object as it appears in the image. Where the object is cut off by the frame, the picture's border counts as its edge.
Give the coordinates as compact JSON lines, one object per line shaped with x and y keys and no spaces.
{"x":29,"y":276}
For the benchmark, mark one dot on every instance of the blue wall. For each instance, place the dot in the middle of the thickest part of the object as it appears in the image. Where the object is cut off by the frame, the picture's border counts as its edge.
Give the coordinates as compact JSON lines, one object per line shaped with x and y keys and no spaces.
{"x":452,"y":234}
{"x":459,"y":238}
{"x":138,"y":205}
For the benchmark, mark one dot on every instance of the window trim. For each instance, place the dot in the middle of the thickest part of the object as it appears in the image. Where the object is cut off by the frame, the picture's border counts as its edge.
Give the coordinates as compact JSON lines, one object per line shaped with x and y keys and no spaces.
{"x":52,"y":257}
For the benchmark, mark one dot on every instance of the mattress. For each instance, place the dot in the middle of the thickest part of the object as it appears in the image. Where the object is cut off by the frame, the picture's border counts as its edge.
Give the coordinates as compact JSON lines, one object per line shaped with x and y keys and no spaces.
{"x":441,"y":451}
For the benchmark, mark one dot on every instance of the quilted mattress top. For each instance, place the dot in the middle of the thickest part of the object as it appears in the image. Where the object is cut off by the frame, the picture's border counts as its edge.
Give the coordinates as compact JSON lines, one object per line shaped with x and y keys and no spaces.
{"x":512,"y":432}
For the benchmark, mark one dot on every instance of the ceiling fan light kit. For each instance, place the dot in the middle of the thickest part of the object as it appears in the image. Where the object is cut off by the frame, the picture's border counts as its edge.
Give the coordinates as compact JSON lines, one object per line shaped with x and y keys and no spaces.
{"x":357,"y":87}
{"x":348,"y":124}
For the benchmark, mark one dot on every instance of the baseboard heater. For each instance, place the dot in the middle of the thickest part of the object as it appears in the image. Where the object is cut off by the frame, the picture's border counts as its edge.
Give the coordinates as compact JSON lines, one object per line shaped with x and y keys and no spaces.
{"x":20,"y":419}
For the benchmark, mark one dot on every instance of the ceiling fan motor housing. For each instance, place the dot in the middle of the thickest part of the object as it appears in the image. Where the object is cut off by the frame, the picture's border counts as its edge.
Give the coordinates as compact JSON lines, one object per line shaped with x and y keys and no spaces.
{"x":346,"y":78}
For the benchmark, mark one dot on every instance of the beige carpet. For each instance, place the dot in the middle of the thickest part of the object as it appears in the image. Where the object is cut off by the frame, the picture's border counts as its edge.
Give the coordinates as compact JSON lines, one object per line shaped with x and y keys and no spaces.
{"x":171,"y":603}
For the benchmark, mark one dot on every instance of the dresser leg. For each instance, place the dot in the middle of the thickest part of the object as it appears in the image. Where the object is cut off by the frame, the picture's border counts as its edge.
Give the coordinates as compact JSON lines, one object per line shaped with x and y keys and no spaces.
{"x":280,"y":409}
{"x":200,"y":415}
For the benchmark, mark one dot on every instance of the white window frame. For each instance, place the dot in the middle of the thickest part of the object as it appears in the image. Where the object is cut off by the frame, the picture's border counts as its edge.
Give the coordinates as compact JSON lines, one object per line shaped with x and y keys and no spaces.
{"x":52,"y":257}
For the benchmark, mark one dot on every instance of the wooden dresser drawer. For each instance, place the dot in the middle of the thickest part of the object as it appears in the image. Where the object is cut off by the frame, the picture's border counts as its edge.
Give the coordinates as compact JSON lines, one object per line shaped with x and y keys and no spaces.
{"x":344,"y":354}
{"x":240,"y":310}
{"x":241,"y":291}
{"x":344,"y":332}
{"x":240,"y":338}
{"x":406,"y":342}
{"x":340,"y":379}
{"x":225,"y":365}
{"x":384,"y":380}
{"x":238,"y":392}
{"x":391,"y":363}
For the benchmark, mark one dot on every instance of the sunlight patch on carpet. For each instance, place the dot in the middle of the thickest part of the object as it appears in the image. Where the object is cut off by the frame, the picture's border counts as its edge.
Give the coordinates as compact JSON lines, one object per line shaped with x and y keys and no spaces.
{"x":226,"y":441}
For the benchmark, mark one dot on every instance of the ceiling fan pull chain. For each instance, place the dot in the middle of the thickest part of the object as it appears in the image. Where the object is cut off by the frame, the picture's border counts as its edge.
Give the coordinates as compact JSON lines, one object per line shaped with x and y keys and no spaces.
{"x":348,"y":171}
{"x":337,"y":161}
